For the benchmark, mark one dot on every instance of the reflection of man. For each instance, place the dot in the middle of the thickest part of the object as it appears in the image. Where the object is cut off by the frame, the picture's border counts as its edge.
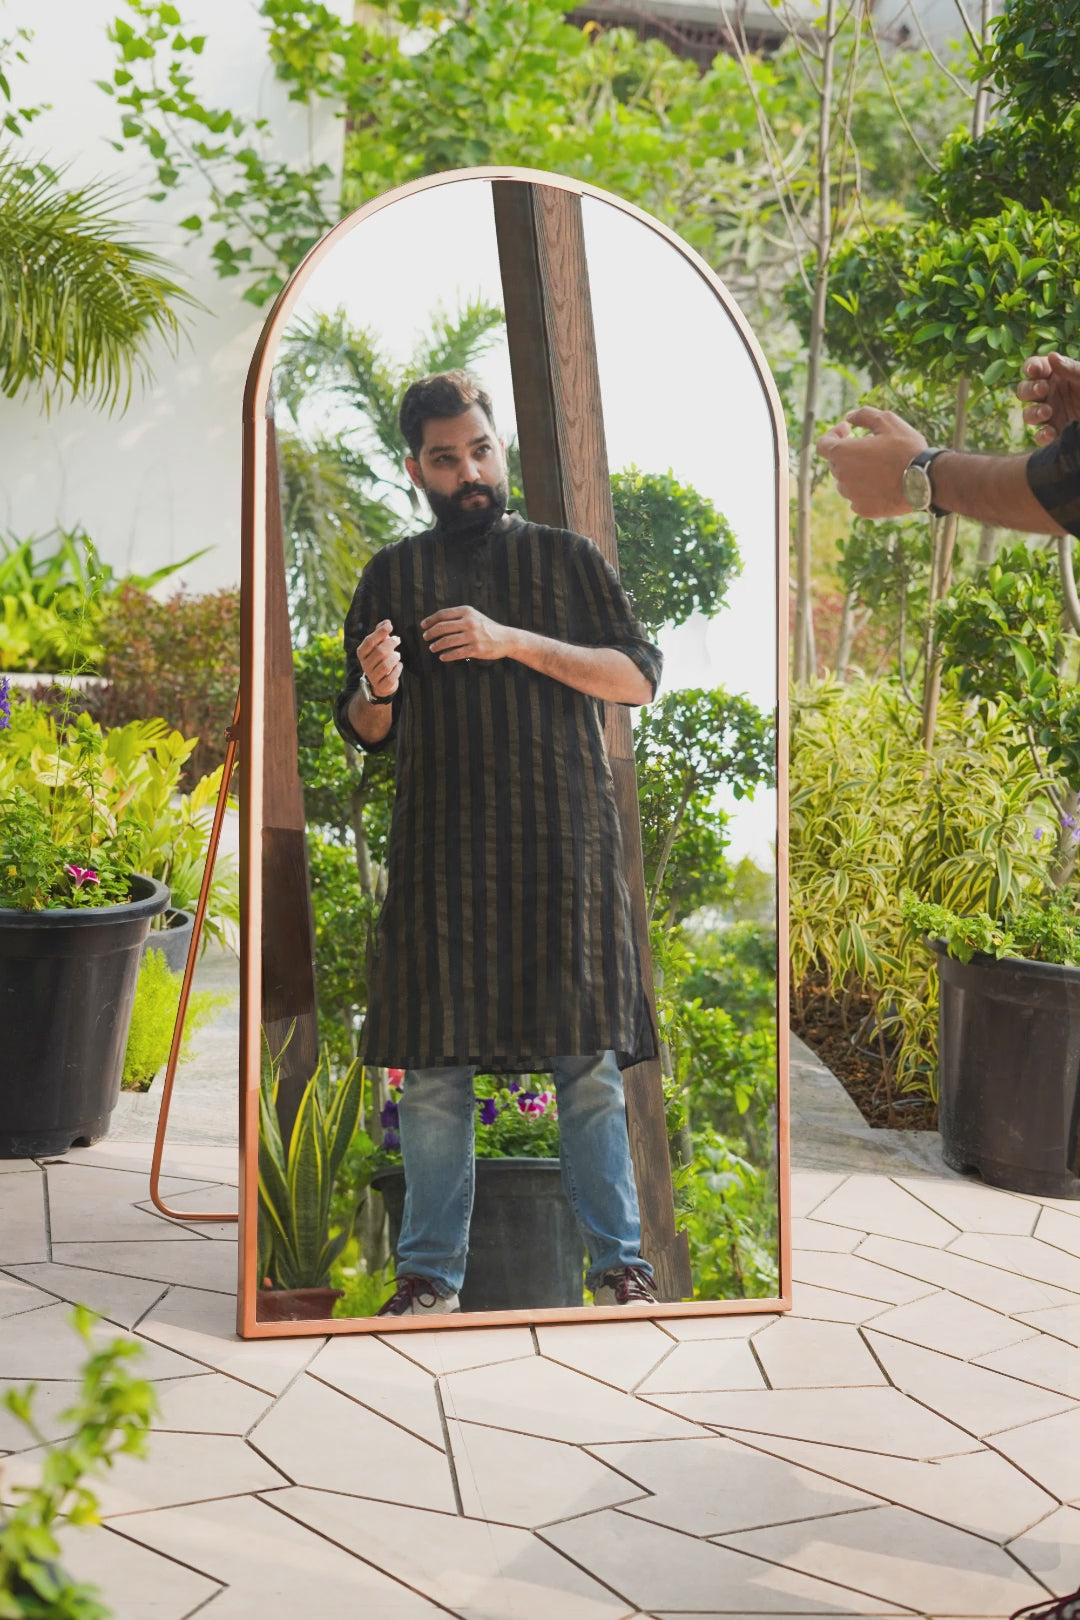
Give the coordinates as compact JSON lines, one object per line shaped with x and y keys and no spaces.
{"x":892,"y":470}
{"x":504,"y":942}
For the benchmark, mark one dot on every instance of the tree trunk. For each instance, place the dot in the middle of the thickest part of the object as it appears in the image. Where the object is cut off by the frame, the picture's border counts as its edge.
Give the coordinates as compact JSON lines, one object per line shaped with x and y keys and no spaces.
{"x":941,"y":562}
{"x":988,"y":544}
{"x":805,"y":659}
{"x":846,"y":639}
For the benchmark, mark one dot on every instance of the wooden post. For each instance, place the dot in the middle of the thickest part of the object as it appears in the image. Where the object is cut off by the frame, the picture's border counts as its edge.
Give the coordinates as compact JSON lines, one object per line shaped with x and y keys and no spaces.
{"x":288,"y":928}
{"x":564,"y":468}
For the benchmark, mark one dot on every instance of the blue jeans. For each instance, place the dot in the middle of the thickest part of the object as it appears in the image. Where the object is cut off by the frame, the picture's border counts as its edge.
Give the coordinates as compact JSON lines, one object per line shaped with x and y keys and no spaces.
{"x":436,"y":1124}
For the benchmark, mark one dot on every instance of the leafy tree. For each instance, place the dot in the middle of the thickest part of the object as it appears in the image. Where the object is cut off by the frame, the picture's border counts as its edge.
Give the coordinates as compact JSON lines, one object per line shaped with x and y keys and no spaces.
{"x":677,"y":554}
{"x":80,"y":302}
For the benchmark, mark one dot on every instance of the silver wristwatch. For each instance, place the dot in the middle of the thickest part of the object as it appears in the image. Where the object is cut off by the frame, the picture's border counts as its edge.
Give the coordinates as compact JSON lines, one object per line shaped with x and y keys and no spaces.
{"x":918,"y":490}
{"x":370,"y":694}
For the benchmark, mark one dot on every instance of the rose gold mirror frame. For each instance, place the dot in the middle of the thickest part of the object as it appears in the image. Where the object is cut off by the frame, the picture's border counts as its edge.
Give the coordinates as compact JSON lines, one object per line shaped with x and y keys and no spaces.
{"x":250,"y":730}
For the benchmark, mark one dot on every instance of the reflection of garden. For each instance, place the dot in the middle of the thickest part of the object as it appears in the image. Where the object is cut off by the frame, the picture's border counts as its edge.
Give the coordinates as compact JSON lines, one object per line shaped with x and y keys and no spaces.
{"x":712,"y":926}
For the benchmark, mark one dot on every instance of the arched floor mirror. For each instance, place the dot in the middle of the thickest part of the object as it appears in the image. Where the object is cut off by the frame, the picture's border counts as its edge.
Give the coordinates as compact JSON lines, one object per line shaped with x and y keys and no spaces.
{"x":498,"y":910}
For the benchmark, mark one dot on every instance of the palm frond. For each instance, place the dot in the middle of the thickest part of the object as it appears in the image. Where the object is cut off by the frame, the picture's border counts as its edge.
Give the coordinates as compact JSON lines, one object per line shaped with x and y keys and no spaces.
{"x":456,"y":342}
{"x":79,"y":302}
{"x":325,"y":356}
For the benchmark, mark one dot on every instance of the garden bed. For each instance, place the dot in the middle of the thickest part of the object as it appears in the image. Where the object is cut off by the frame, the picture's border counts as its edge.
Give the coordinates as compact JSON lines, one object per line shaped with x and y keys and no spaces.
{"x":821,"y":1026}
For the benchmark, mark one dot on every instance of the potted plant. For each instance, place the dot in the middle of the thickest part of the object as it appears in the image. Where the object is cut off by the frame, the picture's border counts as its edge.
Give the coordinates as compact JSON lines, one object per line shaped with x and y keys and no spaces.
{"x":525,"y":1247}
{"x":298,"y":1244}
{"x":1009,"y":1043}
{"x":74,"y":912}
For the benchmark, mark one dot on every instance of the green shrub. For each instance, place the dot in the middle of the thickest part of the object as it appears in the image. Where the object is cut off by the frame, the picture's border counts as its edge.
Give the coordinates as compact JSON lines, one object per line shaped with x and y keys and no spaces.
{"x":157,"y":996}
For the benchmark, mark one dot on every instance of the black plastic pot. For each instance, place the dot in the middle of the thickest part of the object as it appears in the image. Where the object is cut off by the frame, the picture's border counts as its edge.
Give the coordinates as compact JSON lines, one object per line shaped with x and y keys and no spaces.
{"x":174,"y":940}
{"x":525,"y":1247}
{"x":67,"y":983}
{"x":1009,"y":1072}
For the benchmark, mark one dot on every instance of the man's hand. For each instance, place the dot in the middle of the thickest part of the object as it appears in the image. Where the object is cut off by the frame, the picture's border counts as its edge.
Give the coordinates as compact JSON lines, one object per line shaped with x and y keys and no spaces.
{"x":869,"y":471}
{"x":1053,"y":390}
{"x":380,"y":660}
{"x":464,"y":632}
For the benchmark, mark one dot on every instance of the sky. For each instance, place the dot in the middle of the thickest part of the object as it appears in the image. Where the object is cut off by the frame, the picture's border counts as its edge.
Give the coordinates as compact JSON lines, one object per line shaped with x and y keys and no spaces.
{"x":679,"y":392}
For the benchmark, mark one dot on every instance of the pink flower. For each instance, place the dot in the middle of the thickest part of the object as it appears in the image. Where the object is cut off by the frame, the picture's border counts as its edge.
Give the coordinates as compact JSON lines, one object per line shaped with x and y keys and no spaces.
{"x":535,"y":1103}
{"x":395,"y":1078}
{"x":82,"y":875}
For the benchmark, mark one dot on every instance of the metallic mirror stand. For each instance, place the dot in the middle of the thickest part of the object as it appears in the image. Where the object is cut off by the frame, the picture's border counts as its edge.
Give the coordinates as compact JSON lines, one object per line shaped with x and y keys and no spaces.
{"x":232,"y":734}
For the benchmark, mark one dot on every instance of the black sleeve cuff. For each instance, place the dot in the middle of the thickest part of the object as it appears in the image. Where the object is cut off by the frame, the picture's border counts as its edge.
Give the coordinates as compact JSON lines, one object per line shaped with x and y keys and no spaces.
{"x":1053,"y":475}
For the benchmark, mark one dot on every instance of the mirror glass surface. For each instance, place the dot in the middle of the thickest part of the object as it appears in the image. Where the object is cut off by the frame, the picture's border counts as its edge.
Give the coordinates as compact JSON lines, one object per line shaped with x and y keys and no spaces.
{"x":414,"y":289}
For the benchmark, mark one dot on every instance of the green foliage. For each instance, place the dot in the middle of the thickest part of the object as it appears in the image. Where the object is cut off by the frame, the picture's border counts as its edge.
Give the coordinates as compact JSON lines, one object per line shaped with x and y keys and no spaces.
{"x":677,"y":554}
{"x":736,"y":970}
{"x":51,"y":606}
{"x":1035,"y":933}
{"x":362,"y":1291}
{"x":297,"y":1247}
{"x":874,"y":815}
{"x":109,"y":1417}
{"x":526,"y":1119}
{"x":729,"y":1212}
{"x":1035,"y":56}
{"x":80,"y":302}
{"x":106,"y":802}
{"x":157,"y":996}
{"x":344,"y":917}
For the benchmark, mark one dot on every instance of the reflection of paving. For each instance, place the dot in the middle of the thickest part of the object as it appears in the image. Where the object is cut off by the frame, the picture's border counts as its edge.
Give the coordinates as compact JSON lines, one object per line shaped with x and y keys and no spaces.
{"x":907,"y":1441}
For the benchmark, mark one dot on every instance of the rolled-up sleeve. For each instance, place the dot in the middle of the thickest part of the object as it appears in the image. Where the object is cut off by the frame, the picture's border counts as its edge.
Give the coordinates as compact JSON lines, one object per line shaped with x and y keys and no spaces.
{"x":370,"y":605}
{"x":1053,"y":474}
{"x":602,"y":615}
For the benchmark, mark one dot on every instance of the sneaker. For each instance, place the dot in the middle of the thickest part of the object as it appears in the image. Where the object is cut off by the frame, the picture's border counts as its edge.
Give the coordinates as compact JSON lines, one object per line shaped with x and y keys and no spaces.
{"x":414,"y":1296}
{"x":1066,"y":1608}
{"x":629,"y":1285}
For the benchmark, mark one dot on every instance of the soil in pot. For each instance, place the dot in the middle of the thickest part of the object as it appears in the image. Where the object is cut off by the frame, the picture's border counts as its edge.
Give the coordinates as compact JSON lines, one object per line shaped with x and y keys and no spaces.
{"x":67,"y":983}
{"x":820,"y":1022}
{"x":525,"y":1247}
{"x":295,"y":1304}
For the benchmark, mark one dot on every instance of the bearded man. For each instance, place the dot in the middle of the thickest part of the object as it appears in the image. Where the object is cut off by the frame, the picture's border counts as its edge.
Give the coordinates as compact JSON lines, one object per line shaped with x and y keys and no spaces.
{"x":486,"y":647}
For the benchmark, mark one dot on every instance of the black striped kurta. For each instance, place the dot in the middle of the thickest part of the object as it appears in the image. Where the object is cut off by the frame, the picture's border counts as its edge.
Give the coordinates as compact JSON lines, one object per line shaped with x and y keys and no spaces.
{"x":505,"y":936}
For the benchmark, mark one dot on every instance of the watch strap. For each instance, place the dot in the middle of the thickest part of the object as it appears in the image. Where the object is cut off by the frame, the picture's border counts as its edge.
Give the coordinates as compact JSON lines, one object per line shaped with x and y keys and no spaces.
{"x":923,"y":460}
{"x":370,"y":695}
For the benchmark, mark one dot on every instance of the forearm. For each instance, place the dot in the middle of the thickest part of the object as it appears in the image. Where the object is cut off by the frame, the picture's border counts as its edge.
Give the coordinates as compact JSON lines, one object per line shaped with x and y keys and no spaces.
{"x":599,"y":672}
{"x":990,"y":489}
{"x":371,"y":721}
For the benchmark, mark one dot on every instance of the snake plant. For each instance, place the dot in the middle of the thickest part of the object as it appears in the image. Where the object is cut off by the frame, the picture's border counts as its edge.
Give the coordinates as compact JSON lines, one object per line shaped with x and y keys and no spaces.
{"x":296,"y":1186}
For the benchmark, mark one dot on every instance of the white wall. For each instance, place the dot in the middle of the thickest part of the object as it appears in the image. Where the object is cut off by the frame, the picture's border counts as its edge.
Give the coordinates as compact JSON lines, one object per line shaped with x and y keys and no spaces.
{"x":163,"y":480}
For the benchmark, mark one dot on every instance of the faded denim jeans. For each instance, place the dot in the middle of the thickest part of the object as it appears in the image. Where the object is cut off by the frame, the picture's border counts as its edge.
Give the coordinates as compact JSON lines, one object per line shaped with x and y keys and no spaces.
{"x":436,"y":1109}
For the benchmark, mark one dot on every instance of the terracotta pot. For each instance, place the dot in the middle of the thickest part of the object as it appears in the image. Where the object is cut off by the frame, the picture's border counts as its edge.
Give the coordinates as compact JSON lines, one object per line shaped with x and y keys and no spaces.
{"x":295,"y":1304}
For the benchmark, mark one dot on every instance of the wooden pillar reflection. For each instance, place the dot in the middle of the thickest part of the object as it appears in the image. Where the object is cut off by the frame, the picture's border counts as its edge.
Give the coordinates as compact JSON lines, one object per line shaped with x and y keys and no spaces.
{"x":288,"y":928}
{"x":567,"y":485}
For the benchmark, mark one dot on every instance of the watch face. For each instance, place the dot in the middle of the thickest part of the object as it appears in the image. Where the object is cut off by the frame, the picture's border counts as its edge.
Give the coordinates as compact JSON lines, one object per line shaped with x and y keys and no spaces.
{"x":916,"y":485}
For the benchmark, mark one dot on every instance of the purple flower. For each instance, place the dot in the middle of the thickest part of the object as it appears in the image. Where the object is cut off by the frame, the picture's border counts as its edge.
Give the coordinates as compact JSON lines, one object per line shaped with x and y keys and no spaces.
{"x":1067,"y":821}
{"x":388,"y":1119}
{"x":391,"y":1141}
{"x":515,"y":1085}
{"x":5,"y":703}
{"x":1038,"y":835}
{"x":489,"y":1110}
{"x":82,"y":875}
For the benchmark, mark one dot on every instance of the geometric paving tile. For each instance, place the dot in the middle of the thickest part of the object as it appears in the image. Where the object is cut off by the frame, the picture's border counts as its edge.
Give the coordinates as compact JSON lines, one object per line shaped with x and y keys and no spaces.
{"x":518,"y":1479}
{"x":209,"y":1404}
{"x":51,"y":1397}
{"x":1045,"y":1361}
{"x":980,"y":1492}
{"x":809,"y":1188}
{"x":706,"y":1487}
{"x":707,"y":1364}
{"x":956,"y":1326}
{"x":875,"y":1204}
{"x":43,"y":1344}
{"x":975,"y":1398}
{"x":972,"y":1279}
{"x":852,"y":1275}
{"x":555,"y":1403}
{"x":86,"y":1203}
{"x":16,"y":1296}
{"x":821,"y":1237}
{"x":1063,"y":1322}
{"x":22,"y":1217}
{"x":802,"y":1355}
{"x":134,"y":1582}
{"x":479,"y":1571}
{"x":1026,"y":1256}
{"x":1049,"y":1451}
{"x":652,"y":1565}
{"x":902,"y":1556}
{"x":120,"y":1299}
{"x":744,"y":1326}
{"x":1051,"y":1550}
{"x":203,"y":1325}
{"x":827,"y":1305}
{"x":375,"y":1375}
{"x":317,"y":1436}
{"x":177,"y":1468}
{"x":865,"y":1419}
{"x":274,"y":1568}
{"x":971,"y":1206}
{"x":468,"y":1347}
{"x":618,"y":1353}
{"x":1060,"y":1230}
{"x":175,"y":1259}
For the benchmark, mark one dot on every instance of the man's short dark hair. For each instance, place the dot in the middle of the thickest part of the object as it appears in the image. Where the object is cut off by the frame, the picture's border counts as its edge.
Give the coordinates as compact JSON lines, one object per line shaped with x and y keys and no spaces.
{"x":447,"y":393}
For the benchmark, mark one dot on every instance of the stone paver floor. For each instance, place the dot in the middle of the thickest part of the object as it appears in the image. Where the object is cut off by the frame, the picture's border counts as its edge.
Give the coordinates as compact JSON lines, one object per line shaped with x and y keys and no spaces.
{"x":906,"y":1442}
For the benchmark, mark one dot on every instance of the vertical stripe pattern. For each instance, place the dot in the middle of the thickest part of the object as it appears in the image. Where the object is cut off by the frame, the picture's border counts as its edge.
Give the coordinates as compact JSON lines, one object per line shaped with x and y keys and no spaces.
{"x":505,"y":938}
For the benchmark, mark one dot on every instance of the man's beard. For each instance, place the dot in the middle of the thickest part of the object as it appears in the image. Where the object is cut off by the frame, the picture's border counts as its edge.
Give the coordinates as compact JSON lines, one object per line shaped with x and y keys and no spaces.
{"x":453,"y":518}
